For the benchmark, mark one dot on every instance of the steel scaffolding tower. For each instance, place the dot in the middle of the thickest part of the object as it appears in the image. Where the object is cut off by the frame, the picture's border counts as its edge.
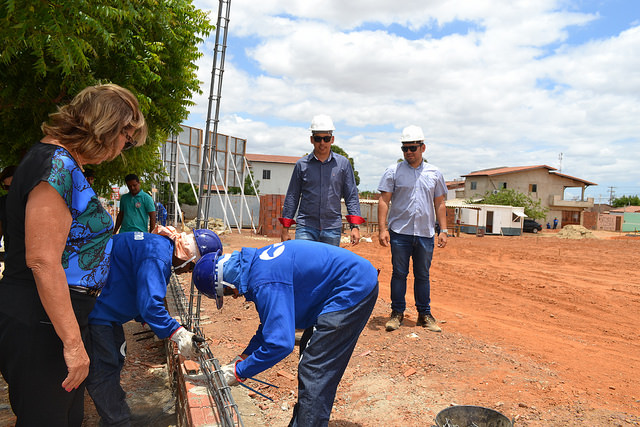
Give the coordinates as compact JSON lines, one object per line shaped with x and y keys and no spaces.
{"x":209,"y":166}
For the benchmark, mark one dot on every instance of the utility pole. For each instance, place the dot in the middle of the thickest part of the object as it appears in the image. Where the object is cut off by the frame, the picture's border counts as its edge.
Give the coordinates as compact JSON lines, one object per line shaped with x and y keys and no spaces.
{"x":560,"y":163}
{"x":612,"y":194}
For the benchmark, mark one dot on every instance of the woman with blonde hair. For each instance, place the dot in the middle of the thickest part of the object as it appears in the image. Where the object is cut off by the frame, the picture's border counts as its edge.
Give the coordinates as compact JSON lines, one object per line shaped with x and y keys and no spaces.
{"x":57,"y":256}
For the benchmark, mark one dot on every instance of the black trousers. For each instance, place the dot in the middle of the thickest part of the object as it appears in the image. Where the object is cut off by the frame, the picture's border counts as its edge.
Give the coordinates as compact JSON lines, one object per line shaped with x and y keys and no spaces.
{"x":33,"y":365}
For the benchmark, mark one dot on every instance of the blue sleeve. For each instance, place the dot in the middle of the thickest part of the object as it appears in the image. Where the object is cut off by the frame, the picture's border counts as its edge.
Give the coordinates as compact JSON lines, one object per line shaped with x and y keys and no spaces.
{"x":151,"y":288}
{"x":292,"y":199}
{"x":276,"y":336}
{"x":350,"y":191}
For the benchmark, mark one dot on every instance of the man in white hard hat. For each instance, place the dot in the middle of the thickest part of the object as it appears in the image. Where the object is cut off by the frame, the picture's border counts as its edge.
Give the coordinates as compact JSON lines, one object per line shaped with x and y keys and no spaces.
{"x":318,"y":183}
{"x":417,"y":192}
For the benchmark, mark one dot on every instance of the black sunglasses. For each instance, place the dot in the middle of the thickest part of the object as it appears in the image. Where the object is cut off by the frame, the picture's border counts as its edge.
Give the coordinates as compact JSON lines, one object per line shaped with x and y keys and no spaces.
{"x":130,"y":141}
{"x":322,"y":138}
{"x":411,"y":148}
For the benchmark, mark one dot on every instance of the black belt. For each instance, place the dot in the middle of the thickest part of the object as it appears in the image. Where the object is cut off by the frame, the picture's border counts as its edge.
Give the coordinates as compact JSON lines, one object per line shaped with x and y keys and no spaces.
{"x":92,"y":292}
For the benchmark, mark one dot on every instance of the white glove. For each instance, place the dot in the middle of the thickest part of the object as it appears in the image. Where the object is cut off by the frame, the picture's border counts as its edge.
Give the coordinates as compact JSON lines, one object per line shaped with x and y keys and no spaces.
{"x":186,"y":343}
{"x":229,"y":373}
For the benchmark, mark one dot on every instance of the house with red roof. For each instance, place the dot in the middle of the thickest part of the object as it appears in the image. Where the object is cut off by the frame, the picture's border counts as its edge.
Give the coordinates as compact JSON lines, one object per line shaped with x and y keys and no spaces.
{"x":273,"y":172}
{"x":540,"y":182}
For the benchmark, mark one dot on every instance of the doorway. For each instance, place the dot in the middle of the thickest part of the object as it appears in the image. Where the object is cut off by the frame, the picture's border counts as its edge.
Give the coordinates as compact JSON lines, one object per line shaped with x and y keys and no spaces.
{"x":489,"y":224}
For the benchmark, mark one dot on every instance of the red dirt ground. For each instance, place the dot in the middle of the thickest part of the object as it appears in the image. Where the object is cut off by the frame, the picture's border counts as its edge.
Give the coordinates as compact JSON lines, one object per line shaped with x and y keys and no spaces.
{"x":542,"y":329}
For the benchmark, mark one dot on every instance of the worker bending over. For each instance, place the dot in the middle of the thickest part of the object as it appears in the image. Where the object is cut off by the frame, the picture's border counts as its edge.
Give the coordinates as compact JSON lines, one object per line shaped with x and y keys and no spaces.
{"x":297,"y":284}
{"x":135,"y":290}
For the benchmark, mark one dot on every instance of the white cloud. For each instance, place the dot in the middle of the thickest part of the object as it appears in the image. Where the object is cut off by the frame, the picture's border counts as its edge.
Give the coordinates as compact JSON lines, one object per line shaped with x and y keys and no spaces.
{"x":507,"y":90}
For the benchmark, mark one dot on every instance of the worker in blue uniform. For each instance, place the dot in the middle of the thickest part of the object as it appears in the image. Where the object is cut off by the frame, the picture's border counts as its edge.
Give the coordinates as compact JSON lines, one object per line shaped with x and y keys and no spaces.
{"x":141,"y":265}
{"x":297,"y":284}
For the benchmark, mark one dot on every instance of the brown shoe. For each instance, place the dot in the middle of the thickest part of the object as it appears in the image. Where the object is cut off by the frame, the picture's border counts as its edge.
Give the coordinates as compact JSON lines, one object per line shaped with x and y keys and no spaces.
{"x":395,"y":321}
{"x":428,"y":321}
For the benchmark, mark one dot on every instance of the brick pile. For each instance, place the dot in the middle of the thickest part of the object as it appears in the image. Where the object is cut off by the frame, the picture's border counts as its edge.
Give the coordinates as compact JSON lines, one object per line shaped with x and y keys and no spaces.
{"x":270,"y":211}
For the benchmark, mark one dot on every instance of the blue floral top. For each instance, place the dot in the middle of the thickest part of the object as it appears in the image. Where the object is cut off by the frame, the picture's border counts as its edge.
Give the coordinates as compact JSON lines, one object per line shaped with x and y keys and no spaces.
{"x":87,"y":252}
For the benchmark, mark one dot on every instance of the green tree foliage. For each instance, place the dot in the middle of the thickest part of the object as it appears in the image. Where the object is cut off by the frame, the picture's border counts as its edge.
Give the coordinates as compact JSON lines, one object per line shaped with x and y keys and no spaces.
{"x":340,"y":151}
{"x":248,"y":188}
{"x":509,"y":197}
{"x":626,"y":201}
{"x":53,"y":49}
{"x":185,"y":193}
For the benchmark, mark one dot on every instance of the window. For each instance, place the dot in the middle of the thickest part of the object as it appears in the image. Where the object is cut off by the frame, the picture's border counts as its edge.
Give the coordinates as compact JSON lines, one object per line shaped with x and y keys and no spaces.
{"x":474,"y":185}
{"x":533,"y":188}
{"x":266,"y":174}
{"x":503,"y":185}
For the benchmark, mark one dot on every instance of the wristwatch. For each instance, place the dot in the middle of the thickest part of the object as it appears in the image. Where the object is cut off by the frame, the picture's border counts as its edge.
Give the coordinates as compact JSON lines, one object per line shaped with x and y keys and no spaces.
{"x":354,"y":226}
{"x":444,"y":230}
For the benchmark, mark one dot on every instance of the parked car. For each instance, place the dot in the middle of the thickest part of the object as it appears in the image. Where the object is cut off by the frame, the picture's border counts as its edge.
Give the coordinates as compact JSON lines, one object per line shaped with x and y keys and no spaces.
{"x":530,"y":226}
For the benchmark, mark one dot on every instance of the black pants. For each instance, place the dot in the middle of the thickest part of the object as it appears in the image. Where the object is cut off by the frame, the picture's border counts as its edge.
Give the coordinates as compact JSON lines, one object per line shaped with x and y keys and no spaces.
{"x":325,"y":353}
{"x":33,"y":365}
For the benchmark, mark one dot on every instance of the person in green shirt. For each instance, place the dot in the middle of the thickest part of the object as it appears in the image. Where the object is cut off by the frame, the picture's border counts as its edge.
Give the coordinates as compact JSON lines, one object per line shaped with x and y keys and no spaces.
{"x":137,"y":210}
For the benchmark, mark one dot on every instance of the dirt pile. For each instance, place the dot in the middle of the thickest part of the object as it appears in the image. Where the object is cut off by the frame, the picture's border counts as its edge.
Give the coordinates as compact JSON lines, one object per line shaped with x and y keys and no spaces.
{"x":575,"y":232}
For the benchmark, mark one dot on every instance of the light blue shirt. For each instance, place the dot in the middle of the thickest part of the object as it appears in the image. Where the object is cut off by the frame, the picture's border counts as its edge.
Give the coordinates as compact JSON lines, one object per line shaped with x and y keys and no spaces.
{"x":413,"y":190}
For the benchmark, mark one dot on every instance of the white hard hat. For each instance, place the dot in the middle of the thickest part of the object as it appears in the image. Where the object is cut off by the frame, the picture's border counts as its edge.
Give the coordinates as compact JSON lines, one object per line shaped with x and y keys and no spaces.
{"x":322,"y":123}
{"x":412,"y":133}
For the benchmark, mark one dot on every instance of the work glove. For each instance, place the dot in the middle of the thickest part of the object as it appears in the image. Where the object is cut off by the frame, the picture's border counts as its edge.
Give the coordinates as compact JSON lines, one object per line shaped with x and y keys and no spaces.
{"x":238,"y":358}
{"x":187,"y":342}
{"x":229,"y":374}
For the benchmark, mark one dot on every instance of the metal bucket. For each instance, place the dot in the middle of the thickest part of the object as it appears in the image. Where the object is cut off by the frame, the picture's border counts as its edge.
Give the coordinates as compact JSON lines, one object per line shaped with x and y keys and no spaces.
{"x":471,"y":416}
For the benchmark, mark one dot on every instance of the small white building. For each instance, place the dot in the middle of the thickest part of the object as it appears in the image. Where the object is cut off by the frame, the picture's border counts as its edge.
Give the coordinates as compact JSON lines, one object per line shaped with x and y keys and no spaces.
{"x":487,"y":219}
{"x":273,"y":172}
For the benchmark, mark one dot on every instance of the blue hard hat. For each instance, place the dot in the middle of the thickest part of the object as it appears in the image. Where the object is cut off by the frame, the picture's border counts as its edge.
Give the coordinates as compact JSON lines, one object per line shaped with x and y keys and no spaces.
{"x":205,"y":275}
{"x":207,"y":241}
{"x":207,"y":278}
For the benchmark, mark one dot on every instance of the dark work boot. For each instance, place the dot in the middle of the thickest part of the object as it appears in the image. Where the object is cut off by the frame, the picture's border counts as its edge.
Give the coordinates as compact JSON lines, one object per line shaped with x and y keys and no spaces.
{"x":426,"y":320}
{"x":395,"y":321}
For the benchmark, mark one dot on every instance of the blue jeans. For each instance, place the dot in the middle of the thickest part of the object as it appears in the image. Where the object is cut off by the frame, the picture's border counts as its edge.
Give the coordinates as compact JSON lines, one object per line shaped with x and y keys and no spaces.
{"x":324,"y":358}
{"x":107,"y":353}
{"x":420,"y":249}
{"x":329,"y":235}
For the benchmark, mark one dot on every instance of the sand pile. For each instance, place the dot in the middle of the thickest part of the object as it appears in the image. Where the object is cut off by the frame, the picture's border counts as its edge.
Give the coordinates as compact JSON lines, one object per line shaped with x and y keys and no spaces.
{"x":214,"y":224}
{"x":575,"y":232}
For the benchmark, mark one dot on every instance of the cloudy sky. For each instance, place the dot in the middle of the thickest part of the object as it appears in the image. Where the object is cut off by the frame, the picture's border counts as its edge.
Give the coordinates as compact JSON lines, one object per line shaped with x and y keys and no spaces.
{"x":491,"y":82}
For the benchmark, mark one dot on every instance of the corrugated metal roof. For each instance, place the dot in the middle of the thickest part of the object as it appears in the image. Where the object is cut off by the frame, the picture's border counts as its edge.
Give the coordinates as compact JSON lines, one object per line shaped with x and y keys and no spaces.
{"x":460,"y":203}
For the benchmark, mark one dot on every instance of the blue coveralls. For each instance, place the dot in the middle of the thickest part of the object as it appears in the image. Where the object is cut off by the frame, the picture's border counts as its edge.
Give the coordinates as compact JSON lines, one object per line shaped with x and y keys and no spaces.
{"x":135,"y":289}
{"x":296,"y":285}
